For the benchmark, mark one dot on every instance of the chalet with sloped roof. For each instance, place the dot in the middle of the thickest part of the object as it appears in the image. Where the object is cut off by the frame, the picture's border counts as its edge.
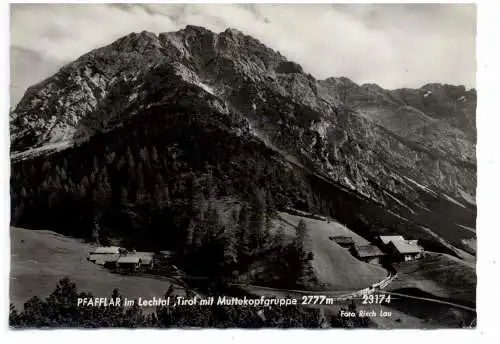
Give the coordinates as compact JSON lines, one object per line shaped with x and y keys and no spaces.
{"x":404,"y":250}
{"x":368,"y":253}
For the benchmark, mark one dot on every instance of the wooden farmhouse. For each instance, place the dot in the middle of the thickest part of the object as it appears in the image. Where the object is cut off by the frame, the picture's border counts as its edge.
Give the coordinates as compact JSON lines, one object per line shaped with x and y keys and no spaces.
{"x":405,"y":250}
{"x":368,"y":253}
{"x":135,"y":260}
{"x":105,"y":254}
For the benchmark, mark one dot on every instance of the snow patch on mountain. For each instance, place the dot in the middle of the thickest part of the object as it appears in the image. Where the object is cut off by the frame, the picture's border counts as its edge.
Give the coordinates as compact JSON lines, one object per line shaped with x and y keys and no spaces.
{"x":45,"y":149}
{"x":425,"y":188}
{"x":60,"y":132}
{"x":206,"y":88}
{"x":133,"y":96}
{"x":452,"y":200}
{"x":467,"y":197}
{"x":471,"y":243}
{"x":467,"y":228}
{"x":191,"y":77}
{"x":400,"y":203}
{"x":349,"y":183}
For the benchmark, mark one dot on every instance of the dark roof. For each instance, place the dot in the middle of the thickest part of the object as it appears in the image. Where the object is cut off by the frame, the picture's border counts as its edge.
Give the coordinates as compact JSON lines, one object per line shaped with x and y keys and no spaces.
{"x":105,"y":258}
{"x":343,"y":240}
{"x":137,"y":257}
{"x":386,"y":239}
{"x":106,"y":250}
{"x":365,"y":251}
{"x":167,"y":253}
{"x":129,"y":259}
{"x":406,"y":247}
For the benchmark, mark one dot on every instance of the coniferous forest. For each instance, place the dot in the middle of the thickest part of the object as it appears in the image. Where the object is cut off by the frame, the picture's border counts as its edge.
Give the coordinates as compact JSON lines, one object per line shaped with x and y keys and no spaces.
{"x":205,"y":196}
{"x":209,"y":164}
{"x":174,"y":179}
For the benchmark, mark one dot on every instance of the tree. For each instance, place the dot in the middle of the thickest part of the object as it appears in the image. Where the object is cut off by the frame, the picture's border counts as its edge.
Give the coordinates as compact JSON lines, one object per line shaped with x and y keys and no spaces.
{"x":130,"y":166}
{"x":230,"y":249}
{"x":301,"y":232}
{"x":298,"y":257}
{"x":211,"y":186}
{"x":160,"y":197}
{"x":140,"y":192}
{"x":102,"y":192}
{"x":243,"y":234}
{"x":190,"y":243}
{"x":46,"y":166}
{"x":60,"y":310}
{"x":279,"y":238}
{"x":95,"y":231}
{"x":154,"y":157}
{"x":271,"y":204}
{"x":144,"y":155}
{"x":259,"y":219}
{"x":197,"y":199}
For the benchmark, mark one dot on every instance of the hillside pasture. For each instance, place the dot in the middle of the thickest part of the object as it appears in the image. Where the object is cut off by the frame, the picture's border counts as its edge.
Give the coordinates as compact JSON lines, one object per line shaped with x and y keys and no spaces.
{"x":440,"y":275}
{"x":39,"y":259}
{"x":334,"y":266}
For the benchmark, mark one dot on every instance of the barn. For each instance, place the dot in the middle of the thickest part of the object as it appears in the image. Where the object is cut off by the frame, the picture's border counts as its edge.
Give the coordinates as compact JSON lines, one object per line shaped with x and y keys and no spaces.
{"x":135,"y":261}
{"x":129,"y":262}
{"x":368,"y":253}
{"x":104,"y":254}
{"x":344,"y":241}
{"x":107,"y":260}
{"x":404,"y":251}
{"x":384,"y":240}
{"x":147,"y":259}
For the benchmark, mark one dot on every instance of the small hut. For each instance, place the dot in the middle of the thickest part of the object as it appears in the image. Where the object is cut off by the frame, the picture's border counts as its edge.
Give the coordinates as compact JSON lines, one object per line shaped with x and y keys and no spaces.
{"x":368,"y":253}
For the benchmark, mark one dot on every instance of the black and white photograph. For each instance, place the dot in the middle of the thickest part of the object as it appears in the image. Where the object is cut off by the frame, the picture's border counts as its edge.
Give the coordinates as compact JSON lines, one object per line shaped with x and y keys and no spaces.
{"x":245,"y":166}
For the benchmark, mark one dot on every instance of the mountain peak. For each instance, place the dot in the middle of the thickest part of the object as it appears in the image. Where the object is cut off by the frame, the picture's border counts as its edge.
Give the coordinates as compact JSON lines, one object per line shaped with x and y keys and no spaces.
{"x":196,"y":29}
{"x":232,"y":66}
{"x":233,"y":32}
{"x":136,"y":42}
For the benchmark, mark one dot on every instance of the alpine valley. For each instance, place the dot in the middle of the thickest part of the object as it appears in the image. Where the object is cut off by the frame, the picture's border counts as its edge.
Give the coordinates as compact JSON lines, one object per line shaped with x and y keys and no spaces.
{"x":202,"y":143}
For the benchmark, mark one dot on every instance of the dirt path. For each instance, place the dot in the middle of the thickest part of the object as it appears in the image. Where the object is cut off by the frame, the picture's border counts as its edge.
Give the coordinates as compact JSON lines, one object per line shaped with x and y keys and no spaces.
{"x":339,"y":295}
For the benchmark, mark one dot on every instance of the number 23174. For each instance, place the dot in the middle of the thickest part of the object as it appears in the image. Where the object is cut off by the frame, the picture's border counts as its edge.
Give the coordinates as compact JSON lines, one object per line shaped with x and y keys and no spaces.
{"x":376,"y":299}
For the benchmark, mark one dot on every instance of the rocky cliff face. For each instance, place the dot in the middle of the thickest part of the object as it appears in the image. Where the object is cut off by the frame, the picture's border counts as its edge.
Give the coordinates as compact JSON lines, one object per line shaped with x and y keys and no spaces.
{"x":406,"y":148}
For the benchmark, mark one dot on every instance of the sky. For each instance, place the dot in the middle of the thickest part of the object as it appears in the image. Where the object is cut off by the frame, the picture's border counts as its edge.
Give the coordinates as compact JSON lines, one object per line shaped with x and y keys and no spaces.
{"x":393,"y":45}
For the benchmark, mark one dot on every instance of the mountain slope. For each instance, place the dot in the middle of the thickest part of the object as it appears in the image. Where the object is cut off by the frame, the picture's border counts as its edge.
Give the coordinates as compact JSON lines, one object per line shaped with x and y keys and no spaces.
{"x":402,"y":159}
{"x":333,"y":264}
{"x":41,"y":258}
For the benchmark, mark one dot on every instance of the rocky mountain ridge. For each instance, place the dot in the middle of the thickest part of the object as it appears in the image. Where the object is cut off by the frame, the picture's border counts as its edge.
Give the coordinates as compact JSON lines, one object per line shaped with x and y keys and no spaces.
{"x":406,"y":148}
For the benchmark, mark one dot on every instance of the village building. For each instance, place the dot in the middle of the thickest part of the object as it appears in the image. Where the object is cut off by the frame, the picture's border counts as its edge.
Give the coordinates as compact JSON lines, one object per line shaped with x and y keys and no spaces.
{"x":147,"y":259}
{"x":368,"y":253}
{"x":405,"y":250}
{"x":163,"y":261}
{"x":165,"y":255}
{"x":135,"y":261}
{"x":104,"y":254}
{"x":116,"y":257}
{"x":399,"y":248}
{"x":344,"y":241}
{"x":384,"y":240}
{"x":128,"y":262}
{"x":107,"y":260}
{"x":107,"y":250}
